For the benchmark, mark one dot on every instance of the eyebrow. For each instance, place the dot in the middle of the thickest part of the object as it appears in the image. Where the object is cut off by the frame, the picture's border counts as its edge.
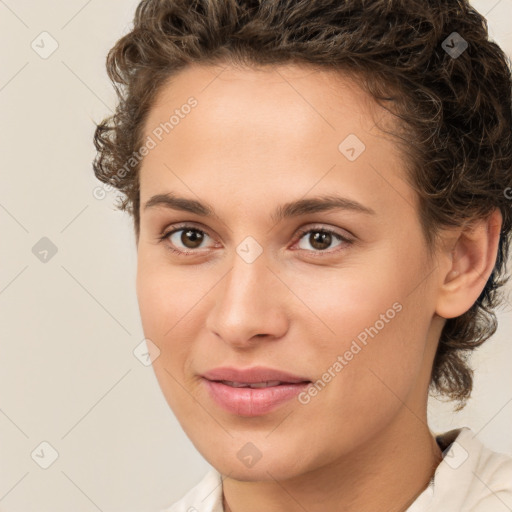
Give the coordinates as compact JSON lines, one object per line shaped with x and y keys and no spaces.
{"x":288,"y":210}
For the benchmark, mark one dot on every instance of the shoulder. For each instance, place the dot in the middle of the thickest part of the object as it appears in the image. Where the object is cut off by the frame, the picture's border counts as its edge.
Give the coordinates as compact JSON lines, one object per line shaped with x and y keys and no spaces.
{"x":206,"y":496}
{"x":471,"y":476}
{"x":492,"y":466}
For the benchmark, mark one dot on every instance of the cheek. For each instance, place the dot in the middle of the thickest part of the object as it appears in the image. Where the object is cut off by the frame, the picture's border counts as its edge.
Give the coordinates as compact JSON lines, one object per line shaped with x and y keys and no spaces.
{"x":345,"y":303}
{"x":169,"y":304}
{"x":163,"y":294}
{"x":378,"y":323}
{"x":372,"y":381}
{"x":161,"y":307}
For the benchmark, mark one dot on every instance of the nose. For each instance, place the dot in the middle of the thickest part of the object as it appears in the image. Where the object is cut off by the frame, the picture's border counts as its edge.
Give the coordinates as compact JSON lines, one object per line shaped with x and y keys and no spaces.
{"x":250,"y":303}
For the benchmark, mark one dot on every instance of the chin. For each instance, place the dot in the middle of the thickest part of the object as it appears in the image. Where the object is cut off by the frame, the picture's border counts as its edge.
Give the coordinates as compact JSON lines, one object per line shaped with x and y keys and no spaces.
{"x":267,"y":468}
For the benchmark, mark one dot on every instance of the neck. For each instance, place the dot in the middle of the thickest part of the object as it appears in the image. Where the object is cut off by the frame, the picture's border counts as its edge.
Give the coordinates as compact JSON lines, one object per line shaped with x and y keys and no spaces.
{"x":388,"y":474}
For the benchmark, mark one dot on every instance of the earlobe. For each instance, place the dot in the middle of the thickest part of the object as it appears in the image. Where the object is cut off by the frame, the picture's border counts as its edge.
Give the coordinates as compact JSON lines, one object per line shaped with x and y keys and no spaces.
{"x":469,"y":264}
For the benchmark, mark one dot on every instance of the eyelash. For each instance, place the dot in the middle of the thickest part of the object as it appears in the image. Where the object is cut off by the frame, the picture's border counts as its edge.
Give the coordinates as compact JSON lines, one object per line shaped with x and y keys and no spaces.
{"x":300,"y":234}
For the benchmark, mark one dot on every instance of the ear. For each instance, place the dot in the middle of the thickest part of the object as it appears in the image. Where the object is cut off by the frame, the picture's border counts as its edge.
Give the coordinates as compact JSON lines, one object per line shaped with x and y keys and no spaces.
{"x":467,"y":260}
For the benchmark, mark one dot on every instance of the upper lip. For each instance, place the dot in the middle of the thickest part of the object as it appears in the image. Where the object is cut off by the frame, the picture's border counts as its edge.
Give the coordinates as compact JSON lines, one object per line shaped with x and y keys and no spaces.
{"x":252,"y":375}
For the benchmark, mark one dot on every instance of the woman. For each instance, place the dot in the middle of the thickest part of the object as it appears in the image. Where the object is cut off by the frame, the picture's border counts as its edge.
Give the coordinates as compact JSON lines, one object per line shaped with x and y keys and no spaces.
{"x":319,"y":196}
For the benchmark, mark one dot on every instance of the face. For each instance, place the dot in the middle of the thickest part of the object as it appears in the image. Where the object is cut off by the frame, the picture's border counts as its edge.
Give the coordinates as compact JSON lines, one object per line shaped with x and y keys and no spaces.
{"x":341,"y":297}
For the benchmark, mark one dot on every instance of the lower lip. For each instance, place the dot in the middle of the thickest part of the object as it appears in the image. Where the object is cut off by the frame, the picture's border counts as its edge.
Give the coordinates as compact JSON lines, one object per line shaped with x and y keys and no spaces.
{"x":252,"y":401}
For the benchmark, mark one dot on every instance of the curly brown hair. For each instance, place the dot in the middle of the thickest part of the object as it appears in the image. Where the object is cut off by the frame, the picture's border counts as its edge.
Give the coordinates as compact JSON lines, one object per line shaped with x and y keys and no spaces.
{"x":454,"y":112}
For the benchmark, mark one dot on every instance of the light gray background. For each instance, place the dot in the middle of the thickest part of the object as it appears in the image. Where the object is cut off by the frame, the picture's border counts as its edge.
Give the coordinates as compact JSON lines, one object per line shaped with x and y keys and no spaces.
{"x":68,"y":327}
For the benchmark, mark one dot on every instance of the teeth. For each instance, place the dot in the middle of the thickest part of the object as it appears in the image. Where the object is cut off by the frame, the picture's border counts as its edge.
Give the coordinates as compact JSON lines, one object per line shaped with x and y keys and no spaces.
{"x":253,"y":385}
{"x":265,"y":384}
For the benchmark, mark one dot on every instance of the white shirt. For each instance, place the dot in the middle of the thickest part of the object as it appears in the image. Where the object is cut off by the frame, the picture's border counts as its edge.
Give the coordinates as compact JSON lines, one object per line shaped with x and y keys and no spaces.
{"x":470,"y":478}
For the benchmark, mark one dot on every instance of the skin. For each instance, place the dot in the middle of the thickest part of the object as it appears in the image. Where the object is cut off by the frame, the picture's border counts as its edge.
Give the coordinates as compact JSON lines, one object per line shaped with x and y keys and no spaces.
{"x":258,"y":139}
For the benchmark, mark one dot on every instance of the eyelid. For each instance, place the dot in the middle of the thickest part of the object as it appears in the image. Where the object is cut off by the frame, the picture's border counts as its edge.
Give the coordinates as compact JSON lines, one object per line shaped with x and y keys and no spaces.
{"x":325,"y":228}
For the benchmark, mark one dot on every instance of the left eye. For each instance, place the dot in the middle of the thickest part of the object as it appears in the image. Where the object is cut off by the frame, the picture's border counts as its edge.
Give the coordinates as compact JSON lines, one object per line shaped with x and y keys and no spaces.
{"x":320,"y":239}
{"x":192,"y":238}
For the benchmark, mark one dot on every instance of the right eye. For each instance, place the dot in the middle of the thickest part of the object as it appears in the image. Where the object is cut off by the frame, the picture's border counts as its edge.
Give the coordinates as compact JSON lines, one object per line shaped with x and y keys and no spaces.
{"x":190,"y":237}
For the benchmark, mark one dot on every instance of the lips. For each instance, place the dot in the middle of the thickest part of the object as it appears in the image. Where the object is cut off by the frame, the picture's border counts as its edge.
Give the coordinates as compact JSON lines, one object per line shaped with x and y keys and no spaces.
{"x":254,"y":391}
{"x":254,"y":375}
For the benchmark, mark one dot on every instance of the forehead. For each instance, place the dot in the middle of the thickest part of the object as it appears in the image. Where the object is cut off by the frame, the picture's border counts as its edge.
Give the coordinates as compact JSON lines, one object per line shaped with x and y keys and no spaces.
{"x":282,"y":126}
{"x":278,"y":94}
